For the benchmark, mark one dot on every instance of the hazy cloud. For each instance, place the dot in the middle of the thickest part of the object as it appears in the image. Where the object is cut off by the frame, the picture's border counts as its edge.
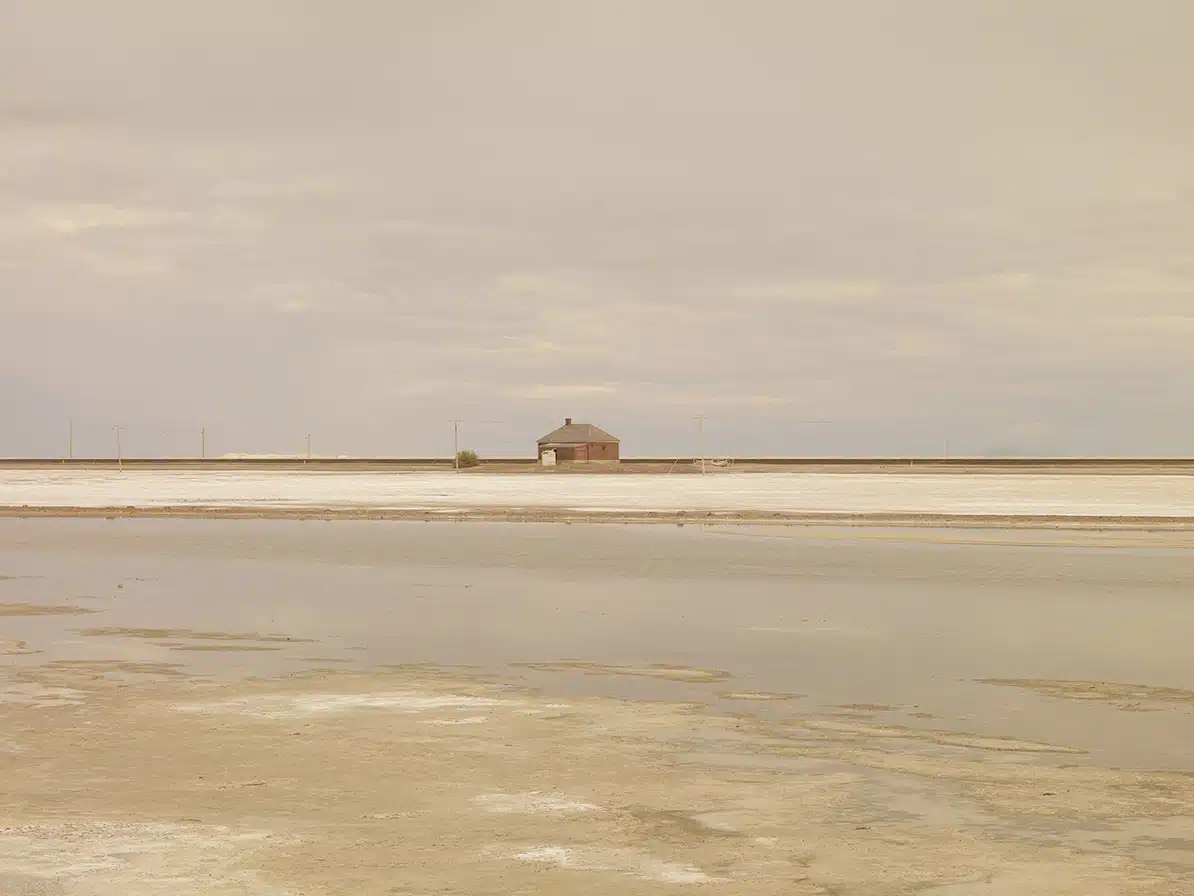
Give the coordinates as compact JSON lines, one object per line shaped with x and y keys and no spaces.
{"x":860,"y":226}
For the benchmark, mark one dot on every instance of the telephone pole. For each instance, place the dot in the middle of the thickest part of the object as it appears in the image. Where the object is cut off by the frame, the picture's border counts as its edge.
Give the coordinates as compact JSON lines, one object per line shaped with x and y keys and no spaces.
{"x":203,"y":444}
{"x":700,"y":419}
{"x":70,"y":438}
{"x":456,"y":445}
{"x":308,"y":447}
{"x":119,"y":453}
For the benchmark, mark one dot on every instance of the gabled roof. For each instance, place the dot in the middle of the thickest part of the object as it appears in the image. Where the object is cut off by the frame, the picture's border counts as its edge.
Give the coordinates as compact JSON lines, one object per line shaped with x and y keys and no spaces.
{"x":576,"y":434}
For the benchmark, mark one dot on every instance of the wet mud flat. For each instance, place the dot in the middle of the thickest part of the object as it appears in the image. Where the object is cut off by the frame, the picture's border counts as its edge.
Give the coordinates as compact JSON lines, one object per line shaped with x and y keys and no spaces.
{"x":309,"y":708}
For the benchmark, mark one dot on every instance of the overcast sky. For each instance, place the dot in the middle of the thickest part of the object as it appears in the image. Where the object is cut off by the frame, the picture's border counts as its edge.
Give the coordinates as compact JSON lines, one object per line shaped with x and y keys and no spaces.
{"x":830,"y":225}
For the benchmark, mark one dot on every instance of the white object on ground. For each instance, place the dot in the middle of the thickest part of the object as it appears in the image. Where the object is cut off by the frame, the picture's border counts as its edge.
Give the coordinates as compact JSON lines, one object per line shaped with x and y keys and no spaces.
{"x":1044,"y":494}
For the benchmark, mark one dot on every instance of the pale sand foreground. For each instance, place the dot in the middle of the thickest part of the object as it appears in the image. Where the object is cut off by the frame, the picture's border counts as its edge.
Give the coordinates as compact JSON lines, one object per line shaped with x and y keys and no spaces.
{"x":415,"y":782}
{"x":206,"y":707}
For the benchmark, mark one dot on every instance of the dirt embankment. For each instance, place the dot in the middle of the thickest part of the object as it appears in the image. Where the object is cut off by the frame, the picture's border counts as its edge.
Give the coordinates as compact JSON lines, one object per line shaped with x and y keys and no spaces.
{"x":624,"y":517}
{"x":677,"y":466}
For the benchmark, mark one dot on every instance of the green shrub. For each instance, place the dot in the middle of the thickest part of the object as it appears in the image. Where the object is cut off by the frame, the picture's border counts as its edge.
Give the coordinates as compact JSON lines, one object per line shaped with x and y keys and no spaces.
{"x":467,"y":458}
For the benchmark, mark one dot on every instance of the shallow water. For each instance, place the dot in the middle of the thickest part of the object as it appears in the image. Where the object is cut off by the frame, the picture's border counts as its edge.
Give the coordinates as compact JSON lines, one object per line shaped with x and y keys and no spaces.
{"x":897,"y":628}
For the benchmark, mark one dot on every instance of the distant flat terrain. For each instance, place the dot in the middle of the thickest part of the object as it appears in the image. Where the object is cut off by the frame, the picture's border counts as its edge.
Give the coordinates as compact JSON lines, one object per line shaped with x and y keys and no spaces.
{"x":778,"y":496}
{"x":671,"y":466}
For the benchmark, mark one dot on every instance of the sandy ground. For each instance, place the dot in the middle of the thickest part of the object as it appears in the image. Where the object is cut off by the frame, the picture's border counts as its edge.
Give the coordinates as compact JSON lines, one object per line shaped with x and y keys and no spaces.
{"x":776,"y":496}
{"x":415,"y":782}
{"x":208,"y":707}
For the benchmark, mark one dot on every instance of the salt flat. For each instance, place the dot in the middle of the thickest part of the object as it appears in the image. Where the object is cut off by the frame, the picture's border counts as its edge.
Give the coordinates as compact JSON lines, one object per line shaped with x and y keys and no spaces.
{"x":284,"y":708}
{"x":1113,"y":496}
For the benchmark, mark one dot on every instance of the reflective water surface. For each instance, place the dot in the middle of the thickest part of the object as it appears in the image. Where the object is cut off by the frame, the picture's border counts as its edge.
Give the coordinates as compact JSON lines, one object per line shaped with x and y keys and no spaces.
{"x":1074,"y":640}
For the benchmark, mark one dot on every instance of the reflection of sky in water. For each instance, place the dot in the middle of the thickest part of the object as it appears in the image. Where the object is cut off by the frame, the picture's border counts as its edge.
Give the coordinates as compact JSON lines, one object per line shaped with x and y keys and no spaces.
{"x":840,"y":617}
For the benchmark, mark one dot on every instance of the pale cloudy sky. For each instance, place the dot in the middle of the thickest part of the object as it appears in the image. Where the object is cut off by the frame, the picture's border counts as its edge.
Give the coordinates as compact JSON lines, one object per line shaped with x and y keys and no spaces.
{"x":831,"y":225}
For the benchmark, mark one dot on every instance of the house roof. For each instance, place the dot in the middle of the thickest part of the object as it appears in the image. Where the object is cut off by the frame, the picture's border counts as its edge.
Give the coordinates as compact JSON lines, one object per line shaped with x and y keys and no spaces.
{"x":576,"y":434}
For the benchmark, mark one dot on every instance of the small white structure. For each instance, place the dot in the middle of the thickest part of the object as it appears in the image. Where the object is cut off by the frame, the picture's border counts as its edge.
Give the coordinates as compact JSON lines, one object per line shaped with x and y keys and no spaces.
{"x":548,"y":457}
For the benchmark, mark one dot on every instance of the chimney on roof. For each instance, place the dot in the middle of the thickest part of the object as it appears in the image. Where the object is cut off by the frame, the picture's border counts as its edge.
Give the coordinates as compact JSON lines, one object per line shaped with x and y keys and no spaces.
{"x":567,"y":421}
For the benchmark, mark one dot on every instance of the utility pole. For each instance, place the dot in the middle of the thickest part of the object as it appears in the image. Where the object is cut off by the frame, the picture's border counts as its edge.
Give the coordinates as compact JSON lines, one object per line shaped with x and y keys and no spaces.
{"x":203,"y":443}
{"x":70,"y":438}
{"x":119,"y":453}
{"x":456,"y":445}
{"x":308,"y":447}
{"x":700,"y":419}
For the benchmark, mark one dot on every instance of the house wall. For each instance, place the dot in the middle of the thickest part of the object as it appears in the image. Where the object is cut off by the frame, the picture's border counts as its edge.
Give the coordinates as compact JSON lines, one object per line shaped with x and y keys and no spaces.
{"x":603,"y":451}
{"x":591,"y":452}
{"x":566,"y":454}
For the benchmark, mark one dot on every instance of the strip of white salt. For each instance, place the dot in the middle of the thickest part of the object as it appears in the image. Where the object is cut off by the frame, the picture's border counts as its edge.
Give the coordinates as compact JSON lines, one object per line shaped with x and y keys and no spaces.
{"x":1115,"y":495}
{"x":289,"y":706}
{"x":621,"y":861}
{"x":534,"y":803}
